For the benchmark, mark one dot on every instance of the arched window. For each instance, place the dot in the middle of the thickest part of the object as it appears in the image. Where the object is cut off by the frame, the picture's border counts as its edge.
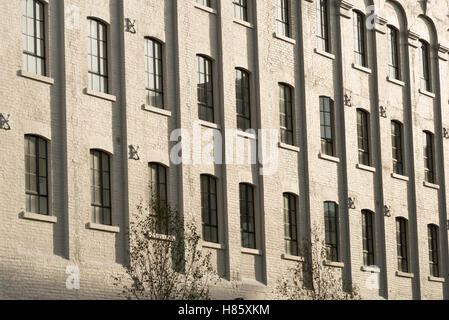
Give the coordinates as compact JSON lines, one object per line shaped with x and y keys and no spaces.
{"x":205,"y":90}
{"x":209,"y":208}
{"x":291,"y":224}
{"x":247,"y":217}
{"x":327,"y":125}
{"x":100,"y":173}
{"x":286,"y":113}
{"x":394,"y":55}
{"x":425,"y":66}
{"x":157,"y":184}
{"x":283,"y":17}
{"x":359,"y":39}
{"x":398,"y":147}
{"x":154,"y":73}
{"x":434,"y":250}
{"x":322,"y":29}
{"x":33,"y":37}
{"x":331,"y":223}
{"x":97,"y":56}
{"x":368,"y":238}
{"x":36,"y":175}
{"x":363,"y":137}
{"x":243,"y":100}
{"x":241,"y":9}
{"x":429,"y":157}
{"x":402,"y":244}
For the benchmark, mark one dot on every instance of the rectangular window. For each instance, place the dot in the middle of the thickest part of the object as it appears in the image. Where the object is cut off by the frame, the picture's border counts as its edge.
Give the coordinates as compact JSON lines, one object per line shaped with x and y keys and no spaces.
{"x":363,"y":137}
{"x":33,"y":37}
{"x":36,"y":175}
{"x":290,"y":225}
{"x":359,"y":39}
{"x":402,"y":244}
{"x":100,"y":178}
{"x":368,"y":238}
{"x":327,"y":126}
{"x":283,"y":18}
{"x":331,"y":222}
{"x":322,"y":27}
{"x":398,"y":150}
{"x":209,"y":208}
{"x":241,"y":9}
{"x":425,"y":66}
{"x":97,"y":56}
{"x":204,"y":3}
{"x":243,"y":100}
{"x":429,"y":162}
{"x":158,"y":192}
{"x":286,"y":113}
{"x":434,"y":250}
{"x":247,"y":218}
{"x":393,"y":53}
{"x":205,"y":90}
{"x":153,"y":73}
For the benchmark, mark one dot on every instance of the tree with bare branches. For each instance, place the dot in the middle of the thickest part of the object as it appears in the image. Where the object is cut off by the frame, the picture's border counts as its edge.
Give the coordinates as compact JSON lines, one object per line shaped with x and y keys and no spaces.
{"x":313,"y":278}
{"x":166,"y":261}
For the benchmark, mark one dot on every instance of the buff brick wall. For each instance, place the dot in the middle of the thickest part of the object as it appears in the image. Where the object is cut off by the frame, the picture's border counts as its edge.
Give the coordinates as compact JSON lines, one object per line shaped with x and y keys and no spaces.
{"x":34,"y":254}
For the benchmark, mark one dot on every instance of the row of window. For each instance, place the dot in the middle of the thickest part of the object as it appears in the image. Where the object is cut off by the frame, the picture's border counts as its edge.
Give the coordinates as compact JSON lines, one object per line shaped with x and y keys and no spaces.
{"x":37,"y":201}
{"x":327,"y":121}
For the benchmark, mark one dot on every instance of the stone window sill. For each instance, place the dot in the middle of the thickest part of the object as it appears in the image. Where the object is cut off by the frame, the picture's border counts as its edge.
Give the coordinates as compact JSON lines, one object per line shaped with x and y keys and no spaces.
{"x":326,"y":157}
{"x":366,"y":168}
{"x":33,"y":76}
{"x":400,"y":177}
{"x":361,"y":68}
{"x":436,"y":279}
{"x":431,"y":185}
{"x":159,"y":111}
{"x":101,"y":95}
{"x":212,"y":245}
{"x":324,"y":54}
{"x":284,"y":38}
{"x":104,"y":228}
{"x":253,"y":252}
{"x":396,"y":81}
{"x":427,"y":93}
{"x":372,"y":269}
{"x":244,"y":23}
{"x":289,"y":257}
{"x":246,"y":135}
{"x":401,"y":274}
{"x":205,"y":8}
{"x":289,"y":147}
{"x":209,"y":125}
{"x":39,"y":217}
{"x":333,"y":264}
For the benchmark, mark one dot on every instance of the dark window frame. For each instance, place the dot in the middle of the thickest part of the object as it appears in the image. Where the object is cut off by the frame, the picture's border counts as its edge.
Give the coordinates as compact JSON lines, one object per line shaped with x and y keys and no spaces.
{"x":38,"y":194}
{"x":397,"y":142}
{"x":394,"y":52}
{"x":104,"y":216}
{"x":402,"y":244}
{"x":327,"y":126}
{"x":364,"y":137}
{"x":425,"y":66}
{"x":332,"y":231}
{"x":323,"y":42}
{"x":429,"y":157}
{"x":241,"y":10}
{"x":291,"y":224}
{"x":208,"y":212}
{"x":433,"y":232}
{"x":360,"y":39}
{"x":160,"y":183}
{"x":157,"y":73}
{"x":102,"y":77}
{"x":205,"y":89}
{"x":243,"y":99}
{"x":39,"y":20}
{"x":247,"y":216}
{"x":283,"y":18}
{"x":286,"y":112}
{"x":368,"y":238}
